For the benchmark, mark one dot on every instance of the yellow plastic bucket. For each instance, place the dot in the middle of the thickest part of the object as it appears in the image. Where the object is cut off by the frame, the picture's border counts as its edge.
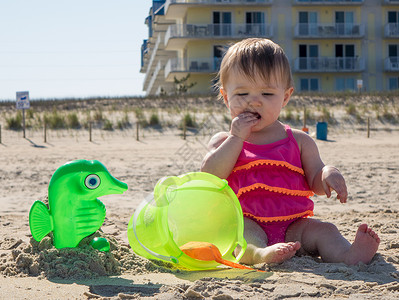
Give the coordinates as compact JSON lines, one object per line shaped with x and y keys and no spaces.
{"x":195,"y":206}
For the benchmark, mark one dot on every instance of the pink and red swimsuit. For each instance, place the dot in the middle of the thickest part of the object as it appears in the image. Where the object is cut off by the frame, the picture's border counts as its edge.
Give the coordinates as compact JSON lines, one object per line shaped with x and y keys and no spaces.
{"x":270,"y":184}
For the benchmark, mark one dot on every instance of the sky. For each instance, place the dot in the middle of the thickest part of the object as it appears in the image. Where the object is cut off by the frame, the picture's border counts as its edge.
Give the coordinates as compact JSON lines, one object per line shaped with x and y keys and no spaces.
{"x":72,"y":48}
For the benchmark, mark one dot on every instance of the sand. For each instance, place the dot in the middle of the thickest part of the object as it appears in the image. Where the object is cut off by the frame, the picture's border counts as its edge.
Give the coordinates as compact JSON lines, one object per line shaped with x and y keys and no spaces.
{"x":32,"y":270}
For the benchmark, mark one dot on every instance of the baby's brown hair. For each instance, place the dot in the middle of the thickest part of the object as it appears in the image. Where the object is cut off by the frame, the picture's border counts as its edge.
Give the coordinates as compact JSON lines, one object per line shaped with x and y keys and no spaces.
{"x":256,"y":57}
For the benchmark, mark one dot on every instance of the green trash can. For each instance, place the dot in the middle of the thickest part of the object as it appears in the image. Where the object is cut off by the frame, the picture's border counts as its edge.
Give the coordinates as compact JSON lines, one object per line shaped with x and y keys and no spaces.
{"x":321,"y":131}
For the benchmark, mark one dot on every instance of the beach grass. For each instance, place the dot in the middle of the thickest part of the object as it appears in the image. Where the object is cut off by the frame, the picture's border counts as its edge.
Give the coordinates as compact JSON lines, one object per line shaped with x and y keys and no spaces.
{"x":120,"y":113}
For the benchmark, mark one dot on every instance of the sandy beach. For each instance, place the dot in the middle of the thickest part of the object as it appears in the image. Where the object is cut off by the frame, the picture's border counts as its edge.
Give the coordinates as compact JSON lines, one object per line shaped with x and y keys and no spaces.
{"x":31,"y":270}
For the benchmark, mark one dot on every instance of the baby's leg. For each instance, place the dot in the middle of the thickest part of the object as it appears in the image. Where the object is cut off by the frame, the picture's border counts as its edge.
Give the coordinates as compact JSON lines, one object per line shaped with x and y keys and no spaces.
{"x":324,"y":239}
{"x":257,"y":249}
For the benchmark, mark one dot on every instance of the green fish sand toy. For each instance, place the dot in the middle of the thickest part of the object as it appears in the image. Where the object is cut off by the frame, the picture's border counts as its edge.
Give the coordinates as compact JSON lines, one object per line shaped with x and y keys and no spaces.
{"x":74,"y":210}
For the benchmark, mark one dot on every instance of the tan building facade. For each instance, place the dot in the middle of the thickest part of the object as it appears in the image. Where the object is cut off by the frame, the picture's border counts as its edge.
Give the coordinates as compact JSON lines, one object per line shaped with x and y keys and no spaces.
{"x":332,"y":45}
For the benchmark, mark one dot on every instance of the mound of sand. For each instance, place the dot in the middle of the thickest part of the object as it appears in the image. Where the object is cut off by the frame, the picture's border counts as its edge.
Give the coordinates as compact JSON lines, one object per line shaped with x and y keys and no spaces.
{"x":83,"y":262}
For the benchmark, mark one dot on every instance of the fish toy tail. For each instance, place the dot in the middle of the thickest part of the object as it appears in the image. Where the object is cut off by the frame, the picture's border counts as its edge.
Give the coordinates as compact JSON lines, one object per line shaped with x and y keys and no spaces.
{"x":39,"y":221}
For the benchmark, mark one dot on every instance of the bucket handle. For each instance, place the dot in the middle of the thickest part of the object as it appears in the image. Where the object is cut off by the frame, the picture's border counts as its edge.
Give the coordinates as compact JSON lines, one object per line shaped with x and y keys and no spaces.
{"x":157,"y":255}
{"x":243,"y":244}
{"x":236,"y":258}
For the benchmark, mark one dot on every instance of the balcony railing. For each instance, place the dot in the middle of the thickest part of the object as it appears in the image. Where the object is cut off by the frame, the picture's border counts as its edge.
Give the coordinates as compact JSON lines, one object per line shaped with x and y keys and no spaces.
{"x":392,"y":64}
{"x":168,"y":2}
{"x":329,"y":64}
{"x":192,"y":65}
{"x":144,"y":51}
{"x":330,"y":2}
{"x":392,"y":30}
{"x":193,"y":31}
{"x":170,"y":5}
{"x":150,"y":63}
{"x":154,"y":76}
{"x":308,"y":30}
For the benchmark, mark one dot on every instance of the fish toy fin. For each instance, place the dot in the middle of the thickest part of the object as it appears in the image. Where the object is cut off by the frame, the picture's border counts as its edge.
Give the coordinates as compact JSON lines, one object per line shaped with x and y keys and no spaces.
{"x":39,"y":221}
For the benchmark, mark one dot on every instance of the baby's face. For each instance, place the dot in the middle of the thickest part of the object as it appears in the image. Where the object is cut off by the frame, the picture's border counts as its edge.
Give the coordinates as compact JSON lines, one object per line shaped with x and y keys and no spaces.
{"x":265,"y":100}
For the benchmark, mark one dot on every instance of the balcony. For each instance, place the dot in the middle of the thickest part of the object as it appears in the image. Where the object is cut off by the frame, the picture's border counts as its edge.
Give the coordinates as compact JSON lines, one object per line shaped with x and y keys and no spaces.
{"x":328,"y":2}
{"x":150,"y":62}
{"x":155,"y":78}
{"x":218,"y":2}
{"x":391,"y":30}
{"x":308,"y":30}
{"x":392,"y":64}
{"x":329,"y":64}
{"x":191,"y":65}
{"x":144,"y":53}
{"x":214,"y":31}
{"x":391,"y":2}
{"x":177,"y":8}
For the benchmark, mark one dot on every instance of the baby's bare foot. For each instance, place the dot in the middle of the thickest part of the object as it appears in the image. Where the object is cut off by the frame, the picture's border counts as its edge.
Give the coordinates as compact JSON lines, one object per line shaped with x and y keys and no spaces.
{"x":364,"y":247}
{"x":278,"y":253}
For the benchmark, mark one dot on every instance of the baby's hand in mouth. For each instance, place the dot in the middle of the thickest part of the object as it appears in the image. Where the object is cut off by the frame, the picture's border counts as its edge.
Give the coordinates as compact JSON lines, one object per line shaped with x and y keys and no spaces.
{"x":257,"y":115}
{"x":254,"y":113}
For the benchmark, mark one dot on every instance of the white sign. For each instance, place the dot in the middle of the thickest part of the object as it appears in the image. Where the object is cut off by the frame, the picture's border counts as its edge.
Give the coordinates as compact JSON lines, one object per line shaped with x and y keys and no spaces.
{"x":359,"y":84}
{"x":23,"y":100}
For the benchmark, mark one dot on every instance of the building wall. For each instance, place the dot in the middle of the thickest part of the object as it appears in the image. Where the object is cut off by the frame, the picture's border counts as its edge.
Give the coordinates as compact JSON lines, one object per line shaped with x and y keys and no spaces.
{"x":189,"y":52}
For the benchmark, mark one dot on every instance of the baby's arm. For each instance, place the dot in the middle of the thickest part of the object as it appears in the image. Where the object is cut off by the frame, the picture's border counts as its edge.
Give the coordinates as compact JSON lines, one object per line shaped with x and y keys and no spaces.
{"x":224,"y":150}
{"x":321,"y":178}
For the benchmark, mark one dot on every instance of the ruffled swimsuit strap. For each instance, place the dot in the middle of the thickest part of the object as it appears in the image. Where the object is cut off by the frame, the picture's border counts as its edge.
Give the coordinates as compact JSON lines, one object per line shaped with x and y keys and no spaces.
{"x":291,"y":137}
{"x":288,"y":130}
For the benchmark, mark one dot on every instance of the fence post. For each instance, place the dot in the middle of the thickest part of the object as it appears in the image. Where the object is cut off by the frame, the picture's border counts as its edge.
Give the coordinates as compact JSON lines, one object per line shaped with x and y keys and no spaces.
{"x":304,"y":128}
{"x":23,"y":122}
{"x":0,"y":133}
{"x":184,"y":129}
{"x":137,"y":130}
{"x":90,"y":131}
{"x":45,"y":132}
{"x":368,"y":127}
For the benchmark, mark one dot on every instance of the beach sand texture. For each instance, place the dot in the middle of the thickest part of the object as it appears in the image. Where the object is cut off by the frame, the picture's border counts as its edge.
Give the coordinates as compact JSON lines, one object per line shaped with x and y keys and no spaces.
{"x":31,"y":270}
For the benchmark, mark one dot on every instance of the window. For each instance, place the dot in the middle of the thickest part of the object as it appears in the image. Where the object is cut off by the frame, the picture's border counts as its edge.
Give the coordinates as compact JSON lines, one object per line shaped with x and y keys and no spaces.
{"x":393,"y":50}
{"x":393,"y":17}
{"x":393,"y":83}
{"x":345,"y":57}
{"x":307,"y":23}
{"x":344,"y":22}
{"x":255,"y":23}
{"x":255,"y":17}
{"x":393,"y":23}
{"x":309,"y":84}
{"x":308,"y":57}
{"x":218,"y":52}
{"x":344,"y":84}
{"x":393,"y":54}
{"x":333,"y":0}
{"x":222,"y":23}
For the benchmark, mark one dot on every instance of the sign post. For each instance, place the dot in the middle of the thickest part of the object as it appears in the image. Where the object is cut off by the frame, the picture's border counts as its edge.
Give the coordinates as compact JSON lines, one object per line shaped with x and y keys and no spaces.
{"x":23,"y":103}
{"x":359,"y":84}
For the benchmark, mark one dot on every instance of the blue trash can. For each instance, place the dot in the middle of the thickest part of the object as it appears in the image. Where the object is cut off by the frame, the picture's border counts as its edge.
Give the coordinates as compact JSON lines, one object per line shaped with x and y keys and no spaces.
{"x":321,"y":131}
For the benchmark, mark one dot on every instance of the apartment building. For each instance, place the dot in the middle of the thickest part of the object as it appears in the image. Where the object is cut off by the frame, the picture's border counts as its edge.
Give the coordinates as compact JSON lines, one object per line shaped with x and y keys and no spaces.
{"x":332,"y":45}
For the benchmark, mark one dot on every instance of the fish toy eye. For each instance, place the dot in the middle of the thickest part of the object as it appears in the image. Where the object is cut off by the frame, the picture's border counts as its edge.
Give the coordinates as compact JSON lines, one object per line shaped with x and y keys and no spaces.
{"x":92,"y":181}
